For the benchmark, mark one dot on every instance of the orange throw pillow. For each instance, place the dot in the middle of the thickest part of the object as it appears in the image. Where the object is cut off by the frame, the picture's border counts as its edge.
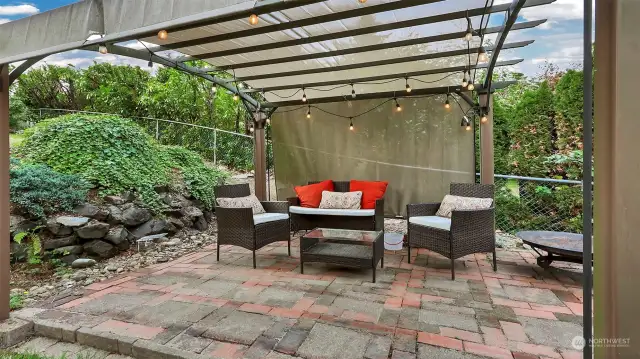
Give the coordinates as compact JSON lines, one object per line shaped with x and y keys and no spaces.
{"x":371,"y":191}
{"x":311,"y":195}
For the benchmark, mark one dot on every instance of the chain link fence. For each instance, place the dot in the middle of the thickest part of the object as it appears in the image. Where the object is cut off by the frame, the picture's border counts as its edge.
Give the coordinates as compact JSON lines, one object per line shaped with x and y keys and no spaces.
{"x":235,"y":150}
{"x":544,"y":204}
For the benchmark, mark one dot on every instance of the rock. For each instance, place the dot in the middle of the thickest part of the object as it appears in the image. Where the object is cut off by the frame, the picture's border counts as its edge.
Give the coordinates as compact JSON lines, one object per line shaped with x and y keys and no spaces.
{"x":118,"y":237}
{"x":201,"y":224}
{"x":20,"y":224}
{"x":153,"y":238}
{"x":161,"y":188}
{"x":115,"y":215}
{"x":98,"y":248}
{"x":174,"y":212}
{"x":117,"y":200}
{"x":153,"y":226}
{"x":192,"y":212}
{"x":87,"y":210}
{"x":111,"y":268}
{"x":120,"y":270}
{"x":59,"y":242}
{"x":16,"y":291}
{"x":171,"y":243}
{"x":93,"y":230}
{"x":102,"y":215}
{"x":83,"y":263}
{"x":72,"y":221}
{"x":208,"y":215}
{"x":18,"y":252}
{"x":58,"y":229}
{"x":162,"y":260}
{"x":64,"y":251}
{"x":69,"y":259}
{"x":129,"y":196}
{"x":79,"y":276}
{"x":135,"y":216}
{"x":176,"y":222}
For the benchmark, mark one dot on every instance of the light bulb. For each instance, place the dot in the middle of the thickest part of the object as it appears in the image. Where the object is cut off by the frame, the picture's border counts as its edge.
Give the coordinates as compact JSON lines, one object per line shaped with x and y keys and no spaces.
{"x":482,"y":55}
{"x":468,"y":36}
{"x":470,"y":87}
{"x":253,"y":19}
{"x":309,"y":112}
{"x":351,"y":126}
{"x":353,"y":92}
{"x":268,"y":120}
{"x":103,"y":49}
{"x":447,"y":105}
{"x":235,"y":97}
{"x":468,"y":128}
{"x":163,"y":34}
{"x":398,"y":107}
{"x":484,"y":118}
{"x":407,"y":86}
{"x":214,"y":89}
{"x":304,"y":98}
{"x":240,"y":85}
{"x":362,"y":1}
{"x":464,"y":79}
{"x":251,"y":129}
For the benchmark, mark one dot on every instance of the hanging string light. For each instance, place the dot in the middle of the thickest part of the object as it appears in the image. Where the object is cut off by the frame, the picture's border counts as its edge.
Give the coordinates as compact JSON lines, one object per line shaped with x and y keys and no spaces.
{"x":235,"y":97}
{"x":351,"y":123}
{"x":163,"y":35}
{"x":471,"y":86}
{"x":214,"y":89}
{"x":398,"y":107}
{"x":482,"y":55}
{"x":353,"y":91}
{"x":253,"y":19}
{"x":240,"y":85}
{"x":466,"y":123}
{"x":150,"y":64}
{"x":268,"y":120}
{"x":469,"y":34}
{"x":309,"y":112}
{"x":464,"y":78}
{"x":484,"y":117}
{"x":103,"y":49}
{"x":447,"y":105}
{"x":304,"y":96}
{"x":362,"y":1}
{"x":407,"y":86}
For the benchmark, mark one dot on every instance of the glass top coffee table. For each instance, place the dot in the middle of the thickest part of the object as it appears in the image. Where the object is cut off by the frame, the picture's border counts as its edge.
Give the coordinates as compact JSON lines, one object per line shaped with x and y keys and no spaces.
{"x":345,"y":247}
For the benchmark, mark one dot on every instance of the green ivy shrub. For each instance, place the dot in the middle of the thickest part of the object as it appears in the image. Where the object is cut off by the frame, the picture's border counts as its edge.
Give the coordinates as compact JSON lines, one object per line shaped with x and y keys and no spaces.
{"x":115,"y":155}
{"x":37,"y":190}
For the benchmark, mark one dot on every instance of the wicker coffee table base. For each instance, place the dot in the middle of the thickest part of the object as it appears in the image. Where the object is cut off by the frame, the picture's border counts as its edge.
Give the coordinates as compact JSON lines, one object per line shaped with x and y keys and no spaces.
{"x":341,"y":252}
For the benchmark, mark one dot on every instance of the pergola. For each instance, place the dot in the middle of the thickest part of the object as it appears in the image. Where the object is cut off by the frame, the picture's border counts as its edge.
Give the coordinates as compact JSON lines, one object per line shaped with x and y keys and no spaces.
{"x":320,"y":50}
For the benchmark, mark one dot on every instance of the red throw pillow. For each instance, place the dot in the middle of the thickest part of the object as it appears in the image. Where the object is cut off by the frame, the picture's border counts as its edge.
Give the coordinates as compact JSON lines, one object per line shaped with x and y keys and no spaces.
{"x":311,"y":195}
{"x":371,"y":191}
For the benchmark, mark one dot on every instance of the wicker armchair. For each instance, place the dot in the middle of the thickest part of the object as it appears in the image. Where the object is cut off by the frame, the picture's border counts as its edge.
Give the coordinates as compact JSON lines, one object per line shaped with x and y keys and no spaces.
{"x":236,"y":226}
{"x":471,"y":231}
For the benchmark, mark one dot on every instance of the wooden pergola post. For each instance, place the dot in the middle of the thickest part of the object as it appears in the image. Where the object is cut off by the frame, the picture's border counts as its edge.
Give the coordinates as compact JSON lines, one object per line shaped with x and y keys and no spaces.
{"x":486,"y":141}
{"x":617,"y":189}
{"x":260,"y":156}
{"x":4,"y":193}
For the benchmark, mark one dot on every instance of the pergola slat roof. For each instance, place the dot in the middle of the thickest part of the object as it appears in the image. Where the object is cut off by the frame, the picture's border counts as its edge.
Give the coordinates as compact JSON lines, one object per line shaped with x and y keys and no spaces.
{"x":302,"y":43}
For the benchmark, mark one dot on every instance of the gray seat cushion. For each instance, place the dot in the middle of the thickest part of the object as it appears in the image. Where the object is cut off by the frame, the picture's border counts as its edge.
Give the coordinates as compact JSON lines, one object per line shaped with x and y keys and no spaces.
{"x":269,"y":217}
{"x":432,"y":221}
{"x":333,"y":212}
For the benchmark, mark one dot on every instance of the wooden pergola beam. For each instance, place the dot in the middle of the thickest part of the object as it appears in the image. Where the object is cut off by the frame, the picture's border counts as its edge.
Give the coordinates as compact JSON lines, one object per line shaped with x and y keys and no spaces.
{"x":5,"y":239}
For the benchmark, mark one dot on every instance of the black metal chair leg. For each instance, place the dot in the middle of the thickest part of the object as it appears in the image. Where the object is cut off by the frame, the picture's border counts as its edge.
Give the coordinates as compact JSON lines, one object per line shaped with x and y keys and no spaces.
{"x":254,"y":259}
{"x":218,"y":251}
{"x":382,"y":262}
{"x":374,"y":274}
{"x":495,"y":261}
{"x":409,"y":254}
{"x":453,"y":270}
{"x":289,"y":246}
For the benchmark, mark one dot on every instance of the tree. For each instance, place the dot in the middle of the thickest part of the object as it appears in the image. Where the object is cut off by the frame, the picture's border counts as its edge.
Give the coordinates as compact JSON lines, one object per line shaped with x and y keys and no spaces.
{"x":51,"y":86}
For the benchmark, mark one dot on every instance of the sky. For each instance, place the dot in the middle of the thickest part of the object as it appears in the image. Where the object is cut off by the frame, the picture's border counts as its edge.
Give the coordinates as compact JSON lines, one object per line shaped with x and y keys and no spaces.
{"x":558,"y":41}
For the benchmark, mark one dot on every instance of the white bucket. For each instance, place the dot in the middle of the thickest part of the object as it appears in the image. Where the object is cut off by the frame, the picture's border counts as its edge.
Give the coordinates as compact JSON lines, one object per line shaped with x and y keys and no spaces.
{"x":393,"y":241}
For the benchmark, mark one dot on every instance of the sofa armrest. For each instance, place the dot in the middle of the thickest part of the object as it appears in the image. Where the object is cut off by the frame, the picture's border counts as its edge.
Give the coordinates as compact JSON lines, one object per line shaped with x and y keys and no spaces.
{"x":276,"y":206}
{"x":379,"y":215}
{"x":473,"y":224}
{"x":293,"y":201}
{"x":234,"y":218}
{"x":422,"y":209}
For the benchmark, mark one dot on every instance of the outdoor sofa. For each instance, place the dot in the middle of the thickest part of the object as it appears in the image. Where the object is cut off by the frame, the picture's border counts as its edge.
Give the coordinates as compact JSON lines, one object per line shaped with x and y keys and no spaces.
{"x":305,"y":218}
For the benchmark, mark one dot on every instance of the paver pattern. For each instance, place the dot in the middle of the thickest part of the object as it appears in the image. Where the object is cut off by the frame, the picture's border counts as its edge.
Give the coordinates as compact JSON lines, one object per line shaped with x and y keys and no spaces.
{"x":228,"y":310}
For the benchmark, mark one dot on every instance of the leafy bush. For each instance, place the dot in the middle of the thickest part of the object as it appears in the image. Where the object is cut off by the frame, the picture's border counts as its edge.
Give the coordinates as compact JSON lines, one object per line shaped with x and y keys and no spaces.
{"x":115,"y":155}
{"x":37,"y":190}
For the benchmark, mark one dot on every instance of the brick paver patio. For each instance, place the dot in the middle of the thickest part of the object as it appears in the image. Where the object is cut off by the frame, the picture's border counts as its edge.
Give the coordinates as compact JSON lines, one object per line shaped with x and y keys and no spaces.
{"x":229,"y":310}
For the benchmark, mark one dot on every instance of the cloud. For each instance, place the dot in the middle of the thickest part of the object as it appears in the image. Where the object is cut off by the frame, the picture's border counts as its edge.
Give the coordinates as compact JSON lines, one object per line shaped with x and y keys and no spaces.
{"x":14,"y":10}
{"x":82,"y":59}
{"x":4,"y":21}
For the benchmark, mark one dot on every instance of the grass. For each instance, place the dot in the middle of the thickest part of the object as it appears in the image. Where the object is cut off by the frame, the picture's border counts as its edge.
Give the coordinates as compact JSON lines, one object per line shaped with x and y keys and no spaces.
{"x":16,"y":301}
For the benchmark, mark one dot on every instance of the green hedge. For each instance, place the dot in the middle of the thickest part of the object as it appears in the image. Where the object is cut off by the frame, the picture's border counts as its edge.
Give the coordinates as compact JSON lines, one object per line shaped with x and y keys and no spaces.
{"x":116,"y":155}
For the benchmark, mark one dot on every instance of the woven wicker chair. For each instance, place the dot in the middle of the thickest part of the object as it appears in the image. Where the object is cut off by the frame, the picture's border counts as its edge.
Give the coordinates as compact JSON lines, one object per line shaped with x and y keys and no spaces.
{"x":236,"y":225}
{"x":471,"y":231}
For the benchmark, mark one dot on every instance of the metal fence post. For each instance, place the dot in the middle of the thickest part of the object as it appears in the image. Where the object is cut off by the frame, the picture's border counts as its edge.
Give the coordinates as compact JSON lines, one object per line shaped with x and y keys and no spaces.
{"x":215,"y":146}
{"x":157,"y":130}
